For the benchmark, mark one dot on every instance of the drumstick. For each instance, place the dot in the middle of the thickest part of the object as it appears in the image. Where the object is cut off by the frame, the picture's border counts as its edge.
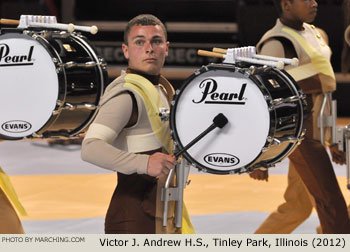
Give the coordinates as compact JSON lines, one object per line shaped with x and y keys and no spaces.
{"x":9,"y":21}
{"x":219,"y":121}
{"x":219,"y":50}
{"x":278,"y":64}
{"x":69,"y":27}
{"x":92,"y":29}
{"x":210,"y":54}
{"x":293,"y":61}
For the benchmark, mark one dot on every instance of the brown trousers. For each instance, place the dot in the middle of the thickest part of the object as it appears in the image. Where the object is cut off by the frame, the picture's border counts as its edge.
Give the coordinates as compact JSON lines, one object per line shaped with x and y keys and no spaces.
{"x":136,"y":207}
{"x":295,"y":210}
{"x":314,"y":166}
{"x":132,"y":207}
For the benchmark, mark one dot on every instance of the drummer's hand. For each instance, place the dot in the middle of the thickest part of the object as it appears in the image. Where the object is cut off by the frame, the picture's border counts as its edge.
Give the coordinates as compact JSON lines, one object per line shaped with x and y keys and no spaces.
{"x":160,"y":164}
{"x":259,"y":174}
{"x":337,"y":156}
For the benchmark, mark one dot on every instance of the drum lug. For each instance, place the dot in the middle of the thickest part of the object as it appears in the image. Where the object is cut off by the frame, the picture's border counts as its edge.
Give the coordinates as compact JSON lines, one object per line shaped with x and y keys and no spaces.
{"x":280,"y":101}
{"x":59,"y":103}
{"x":71,"y":107}
{"x":88,"y":106}
{"x":269,"y":139}
{"x":288,"y":139}
{"x":102,"y":63}
{"x":271,"y":108}
{"x":35,"y":135}
{"x":58,"y":69}
{"x":264,"y":149}
{"x":252,"y":69}
{"x":203,"y":170}
{"x":73,"y":64}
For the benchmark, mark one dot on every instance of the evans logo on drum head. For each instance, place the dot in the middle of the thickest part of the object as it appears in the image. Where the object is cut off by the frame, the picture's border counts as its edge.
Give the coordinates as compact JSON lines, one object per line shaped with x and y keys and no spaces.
{"x":6,"y":59}
{"x":16,"y":126}
{"x":209,"y":96}
{"x":221,"y":159}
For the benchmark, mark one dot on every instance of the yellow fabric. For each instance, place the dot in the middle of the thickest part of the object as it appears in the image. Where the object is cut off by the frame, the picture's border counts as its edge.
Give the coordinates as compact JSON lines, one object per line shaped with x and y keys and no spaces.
{"x":317,"y":59}
{"x":187,"y":227}
{"x":302,"y":72}
{"x":152,"y":103}
{"x":6,"y":186}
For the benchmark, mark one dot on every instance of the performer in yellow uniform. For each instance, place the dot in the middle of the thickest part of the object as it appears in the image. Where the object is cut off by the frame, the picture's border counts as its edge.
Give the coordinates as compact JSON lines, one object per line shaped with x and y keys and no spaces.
{"x":128,"y":136}
{"x":310,"y":165}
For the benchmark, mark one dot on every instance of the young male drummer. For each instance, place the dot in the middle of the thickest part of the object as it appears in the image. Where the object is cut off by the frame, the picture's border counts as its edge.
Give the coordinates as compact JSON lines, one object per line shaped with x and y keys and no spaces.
{"x":128,"y":136}
{"x":310,"y":168}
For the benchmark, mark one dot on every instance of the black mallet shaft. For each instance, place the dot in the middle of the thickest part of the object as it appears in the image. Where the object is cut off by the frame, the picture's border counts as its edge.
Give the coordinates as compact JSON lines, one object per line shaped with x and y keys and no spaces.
{"x":219,"y":121}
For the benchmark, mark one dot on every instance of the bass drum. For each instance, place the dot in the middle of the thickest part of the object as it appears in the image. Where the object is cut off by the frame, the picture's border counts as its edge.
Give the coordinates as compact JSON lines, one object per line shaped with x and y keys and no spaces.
{"x":51,"y":83}
{"x":265,"y":110}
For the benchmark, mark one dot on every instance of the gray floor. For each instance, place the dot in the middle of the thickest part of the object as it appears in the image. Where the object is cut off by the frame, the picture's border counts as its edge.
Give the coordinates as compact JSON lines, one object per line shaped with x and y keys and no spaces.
{"x":20,"y":158}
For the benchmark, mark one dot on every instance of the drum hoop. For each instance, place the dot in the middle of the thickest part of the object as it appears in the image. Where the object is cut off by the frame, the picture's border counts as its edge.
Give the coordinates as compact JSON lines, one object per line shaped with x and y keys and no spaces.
{"x":174,"y":106}
{"x":35,"y":36}
{"x":280,"y":74}
{"x":62,"y":79}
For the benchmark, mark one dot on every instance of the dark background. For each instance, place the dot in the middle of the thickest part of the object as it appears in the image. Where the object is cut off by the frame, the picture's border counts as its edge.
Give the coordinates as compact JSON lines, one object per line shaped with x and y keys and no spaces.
{"x":252,"y":17}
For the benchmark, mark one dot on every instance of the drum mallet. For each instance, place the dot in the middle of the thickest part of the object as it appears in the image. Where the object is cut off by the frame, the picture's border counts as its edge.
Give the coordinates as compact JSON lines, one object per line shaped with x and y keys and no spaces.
{"x":219,"y":121}
{"x":9,"y":21}
{"x":232,"y":59}
{"x":251,"y":53}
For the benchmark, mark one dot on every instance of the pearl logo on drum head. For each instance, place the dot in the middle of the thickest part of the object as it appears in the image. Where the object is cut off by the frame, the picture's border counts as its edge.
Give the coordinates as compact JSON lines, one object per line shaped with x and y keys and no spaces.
{"x":16,"y":126}
{"x":211,"y":97}
{"x":6,"y":59}
{"x":221,"y":159}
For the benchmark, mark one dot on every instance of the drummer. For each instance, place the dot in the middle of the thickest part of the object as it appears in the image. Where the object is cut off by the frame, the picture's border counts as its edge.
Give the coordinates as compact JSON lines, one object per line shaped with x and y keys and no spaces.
{"x":127,"y":138}
{"x":310,"y":170}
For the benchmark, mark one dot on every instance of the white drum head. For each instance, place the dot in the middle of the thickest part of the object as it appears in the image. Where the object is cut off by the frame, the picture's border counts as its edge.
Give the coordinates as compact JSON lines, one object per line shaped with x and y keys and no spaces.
{"x":29,"y":85}
{"x":241,"y":140}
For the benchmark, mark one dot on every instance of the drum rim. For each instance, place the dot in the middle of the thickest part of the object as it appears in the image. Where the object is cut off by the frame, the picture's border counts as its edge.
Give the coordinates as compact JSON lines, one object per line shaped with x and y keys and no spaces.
{"x":178,"y":93}
{"x":36,"y":36}
{"x":272,"y":112}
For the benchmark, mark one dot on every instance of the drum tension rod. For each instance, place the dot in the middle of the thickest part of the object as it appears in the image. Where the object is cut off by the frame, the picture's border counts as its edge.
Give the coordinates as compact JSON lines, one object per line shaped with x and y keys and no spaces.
{"x":72,"y":64}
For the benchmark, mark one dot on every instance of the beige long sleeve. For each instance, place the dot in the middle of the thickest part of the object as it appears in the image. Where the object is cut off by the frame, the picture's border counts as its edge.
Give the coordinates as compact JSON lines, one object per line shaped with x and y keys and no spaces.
{"x":97,"y":146}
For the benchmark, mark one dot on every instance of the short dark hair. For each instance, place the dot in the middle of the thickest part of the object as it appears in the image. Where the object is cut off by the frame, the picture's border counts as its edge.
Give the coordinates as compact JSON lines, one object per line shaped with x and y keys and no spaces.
{"x":278,"y":6}
{"x":144,"y":20}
